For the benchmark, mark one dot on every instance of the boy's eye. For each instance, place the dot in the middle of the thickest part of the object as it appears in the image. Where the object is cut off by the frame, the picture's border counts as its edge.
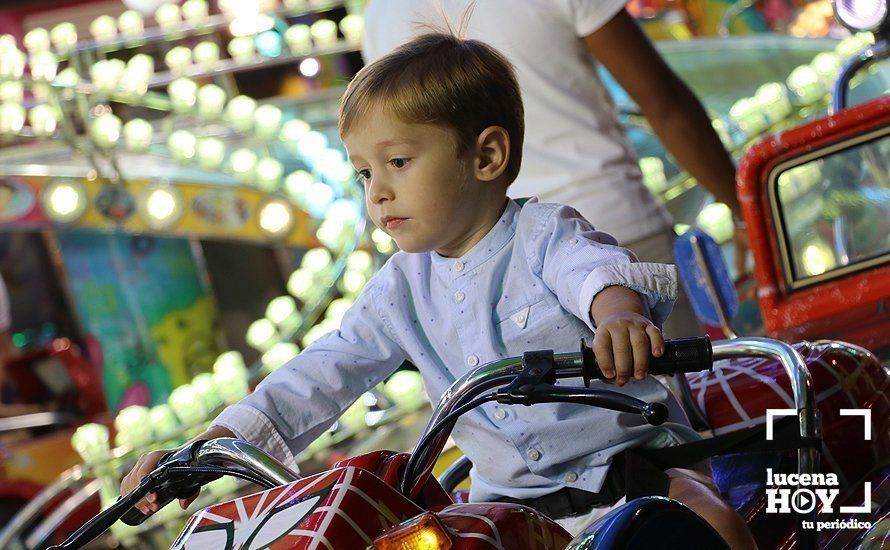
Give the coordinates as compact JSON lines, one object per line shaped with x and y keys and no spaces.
{"x":363,"y":176}
{"x":398,"y":162}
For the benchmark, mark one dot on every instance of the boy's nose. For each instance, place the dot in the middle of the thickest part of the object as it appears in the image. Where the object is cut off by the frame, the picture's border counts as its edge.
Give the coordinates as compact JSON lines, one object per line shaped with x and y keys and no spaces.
{"x":379,"y":191}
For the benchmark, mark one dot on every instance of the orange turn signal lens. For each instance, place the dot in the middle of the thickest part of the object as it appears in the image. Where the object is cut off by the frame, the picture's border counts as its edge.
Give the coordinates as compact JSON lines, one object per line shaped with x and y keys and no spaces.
{"x":423,"y":532}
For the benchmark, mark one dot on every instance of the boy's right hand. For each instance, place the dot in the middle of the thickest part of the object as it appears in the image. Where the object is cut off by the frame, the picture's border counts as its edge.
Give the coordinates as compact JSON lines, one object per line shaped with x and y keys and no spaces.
{"x":144,"y":466}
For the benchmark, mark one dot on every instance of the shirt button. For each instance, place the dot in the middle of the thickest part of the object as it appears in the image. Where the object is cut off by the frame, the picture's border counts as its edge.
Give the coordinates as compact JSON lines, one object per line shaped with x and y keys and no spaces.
{"x":520,"y":318}
{"x":458,"y":266}
{"x":571,"y":477}
{"x":472,"y":360}
{"x":459,"y":296}
{"x":500,"y":414}
{"x":533,"y":454}
{"x":573,"y":241}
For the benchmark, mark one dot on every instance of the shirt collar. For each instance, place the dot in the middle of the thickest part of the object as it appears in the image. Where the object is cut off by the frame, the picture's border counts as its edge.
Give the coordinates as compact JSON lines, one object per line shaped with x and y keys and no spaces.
{"x":491,"y":243}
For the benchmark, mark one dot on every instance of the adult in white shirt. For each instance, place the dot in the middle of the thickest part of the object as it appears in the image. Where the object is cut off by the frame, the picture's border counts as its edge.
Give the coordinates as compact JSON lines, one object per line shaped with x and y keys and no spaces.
{"x":576,"y":152}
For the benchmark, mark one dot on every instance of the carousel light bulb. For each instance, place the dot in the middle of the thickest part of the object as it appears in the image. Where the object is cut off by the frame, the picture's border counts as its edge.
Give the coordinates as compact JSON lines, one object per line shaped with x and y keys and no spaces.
{"x":297,"y":186}
{"x":353,"y":28}
{"x":230,"y":362}
{"x":716,"y":220}
{"x":163,"y":421}
{"x":64,"y":201}
{"x":211,"y":152}
{"x":653,"y":174}
{"x":283,"y":312}
{"x":328,"y":161}
{"x":338,"y":308}
{"x":137,"y":135}
{"x":268,"y":174}
{"x":278,"y":355}
{"x":243,"y":162}
{"x":293,"y":130}
{"x":183,"y":94}
{"x":268,"y":43}
{"x":12,"y":63}
{"x":141,"y":66}
{"x":382,"y":241}
{"x":178,"y":59}
{"x":43,"y":119}
{"x":67,"y":78}
{"x":133,"y":427}
{"x":106,"y":130}
{"x":188,"y":407}
{"x":242,"y":49}
{"x":309,"y":67}
{"x":808,"y":88}
{"x":748,"y":116}
{"x":773,"y":100}
{"x":103,"y":28}
{"x":239,"y":112}
{"x":405,"y":389}
{"x":352,"y":282}
{"x":44,"y":66}
{"x":206,"y":55}
{"x":12,"y":91}
{"x":299,"y":283}
{"x":324,"y":33}
{"x":276,"y":218}
{"x":168,"y":17}
{"x":211,"y":100}
{"x":267,"y":121}
{"x":195,"y":12}
{"x":106,"y":74}
{"x":206,"y":391}
{"x":231,"y":381}
{"x":163,"y":207}
{"x":360,"y":260}
{"x":316,"y":260}
{"x":262,"y":334}
{"x":353,"y":418}
{"x":131,"y":24}
{"x":343,"y":211}
{"x":818,"y":258}
{"x":827,"y":65}
{"x":64,"y":37}
{"x":320,"y":197}
{"x":37,"y":40}
{"x":182,"y":145}
{"x":295,"y":4}
{"x":298,"y":39}
{"x":91,"y":441}
{"x":311,"y":144}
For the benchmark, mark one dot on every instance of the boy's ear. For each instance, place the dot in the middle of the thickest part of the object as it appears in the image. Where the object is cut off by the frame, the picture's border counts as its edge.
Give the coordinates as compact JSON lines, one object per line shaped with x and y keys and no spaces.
{"x":492,"y":153}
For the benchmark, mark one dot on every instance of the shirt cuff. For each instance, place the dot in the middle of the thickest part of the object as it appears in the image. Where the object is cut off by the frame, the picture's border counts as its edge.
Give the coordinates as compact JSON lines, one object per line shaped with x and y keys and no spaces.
{"x":656,"y":282}
{"x":254,"y":427}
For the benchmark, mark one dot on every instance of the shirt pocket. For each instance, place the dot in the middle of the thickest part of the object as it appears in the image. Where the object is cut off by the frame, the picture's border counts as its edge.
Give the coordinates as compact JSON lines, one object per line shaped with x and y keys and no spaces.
{"x":526,"y":326}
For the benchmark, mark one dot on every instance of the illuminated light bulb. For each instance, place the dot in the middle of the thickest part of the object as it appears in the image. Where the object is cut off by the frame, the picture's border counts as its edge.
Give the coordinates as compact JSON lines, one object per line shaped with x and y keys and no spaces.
{"x":298,"y":39}
{"x":382,"y":241}
{"x":41,"y":91}
{"x":328,"y":161}
{"x":242,"y":49}
{"x":680,"y":228}
{"x":295,"y":4}
{"x":182,"y":145}
{"x":653,"y":174}
{"x":293,"y":130}
{"x":168,"y":17}
{"x":278,"y":355}
{"x":806,"y":85}
{"x":324,"y":33}
{"x":748,"y":116}
{"x":64,"y":201}
{"x":230,"y":361}
{"x":243,"y":162}
{"x":106,"y":74}
{"x":141,"y":66}
{"x":343,"y":211}
{"x":316,"y":260}
{"x":133,"y":427}
{"x":137,"y":135}
{"x":239,"y":112}
{"x":309,"y":67}
{"x":299,"y":284}
{"x":103,"y":28}
{"x":91,"y":441}
{"x":67,"y":78}
{"x":360,"y":260}
{"x":262,"y":334}
{"x":338,"y":309}
{"x":106,"y":130}
{"x":7,"y":42}
{"x":405,"y":389}
{"x":267,"y":121}
{"x":283,"y":312}
{"x":43,"y":119}
{"x":353,"y":27}
{"x":716,"y":220}
{"x":12,"y":91}
{"x":268,"y":43}
{"x":352,"y":282}
{"x":817,"y":258}
{"x":12,"y":63}
{"x":195,"y":12}
{"x":773,"y":100}
{"x":161,"y":206}
{"x":187,"y":406}
{"x":44,"y":66}
{"x":37,"y":40}
{"x":827,"y":65}
{"x":211,"y":152}
{"x":313,"y":334}
{"x":297,"y":185}
{"x":178,"y":60}
{"x":319,"y":197}
{"x":276,"y":218}
{"x":206,"y":390}
{"x":211,"y":100}
{"x":268,"y":174}
{"x":64,"y":37}
{"x":131,"y":24}
{"x":183,"y":94}
{"x":163,"y":421}
{"x":353,"y":418}
{"x":311,"y":144}
{"x":206,"y":55}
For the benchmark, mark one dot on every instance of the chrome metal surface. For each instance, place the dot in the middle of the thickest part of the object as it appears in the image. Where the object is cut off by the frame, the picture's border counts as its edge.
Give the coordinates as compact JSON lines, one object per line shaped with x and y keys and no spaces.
{"x":36,"y":420}
{"x":236,"y":451}
{"x":38,"y":536}
{"x":879,"y":50}
{"x":12,"y":530}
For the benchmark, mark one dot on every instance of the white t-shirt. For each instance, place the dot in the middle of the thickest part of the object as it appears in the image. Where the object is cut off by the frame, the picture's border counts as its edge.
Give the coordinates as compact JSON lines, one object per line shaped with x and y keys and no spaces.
{"x":575,"y":152}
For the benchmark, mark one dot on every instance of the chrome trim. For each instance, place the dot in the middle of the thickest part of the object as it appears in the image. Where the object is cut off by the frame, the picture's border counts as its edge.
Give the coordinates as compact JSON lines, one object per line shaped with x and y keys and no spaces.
{"x":10,"y":531}
{"x":237,"y":451}
{"x":54,"y":520}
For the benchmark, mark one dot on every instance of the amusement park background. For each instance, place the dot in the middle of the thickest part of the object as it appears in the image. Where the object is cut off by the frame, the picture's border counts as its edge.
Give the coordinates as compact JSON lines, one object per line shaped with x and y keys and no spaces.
{"x":177,"y":216}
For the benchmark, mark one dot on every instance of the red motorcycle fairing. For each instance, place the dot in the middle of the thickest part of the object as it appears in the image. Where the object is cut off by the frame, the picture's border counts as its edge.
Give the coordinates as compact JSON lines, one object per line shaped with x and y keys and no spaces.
{"x":501,"y":525}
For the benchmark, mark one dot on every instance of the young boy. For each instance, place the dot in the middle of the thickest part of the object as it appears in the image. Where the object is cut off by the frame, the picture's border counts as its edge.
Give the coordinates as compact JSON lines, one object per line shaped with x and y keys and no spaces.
{"x":435,"y":131}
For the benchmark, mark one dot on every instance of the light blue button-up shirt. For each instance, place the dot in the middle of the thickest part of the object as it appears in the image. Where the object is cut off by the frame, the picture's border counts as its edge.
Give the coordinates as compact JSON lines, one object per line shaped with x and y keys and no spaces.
{"x":527,"y":285}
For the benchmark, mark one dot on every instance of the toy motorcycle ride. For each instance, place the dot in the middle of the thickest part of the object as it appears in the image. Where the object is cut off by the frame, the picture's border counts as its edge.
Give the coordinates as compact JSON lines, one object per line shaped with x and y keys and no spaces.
{"x":389,"y":500}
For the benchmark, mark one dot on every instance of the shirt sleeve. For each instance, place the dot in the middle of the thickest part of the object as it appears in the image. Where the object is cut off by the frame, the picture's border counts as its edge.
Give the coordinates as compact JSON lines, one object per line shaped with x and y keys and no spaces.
{"x":577,"y":262}
{"x":587,"y":16}
{"x":295,"y":404}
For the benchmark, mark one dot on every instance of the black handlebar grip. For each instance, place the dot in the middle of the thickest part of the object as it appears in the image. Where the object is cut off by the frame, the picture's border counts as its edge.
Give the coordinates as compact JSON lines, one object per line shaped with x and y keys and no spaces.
{"x":692,"y":354}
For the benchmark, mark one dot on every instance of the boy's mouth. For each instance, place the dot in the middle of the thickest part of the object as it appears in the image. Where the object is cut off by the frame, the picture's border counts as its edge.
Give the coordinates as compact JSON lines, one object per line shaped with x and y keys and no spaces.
{"x":391,"y":223}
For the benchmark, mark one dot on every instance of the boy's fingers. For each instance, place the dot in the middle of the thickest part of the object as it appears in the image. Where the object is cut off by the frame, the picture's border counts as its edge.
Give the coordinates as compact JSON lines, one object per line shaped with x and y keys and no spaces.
{"x":640,"y":342}
{"x":185,"y":502}
{"x":656,"y":340}
{"x":622,"y":354}
{"x":602,"y":348}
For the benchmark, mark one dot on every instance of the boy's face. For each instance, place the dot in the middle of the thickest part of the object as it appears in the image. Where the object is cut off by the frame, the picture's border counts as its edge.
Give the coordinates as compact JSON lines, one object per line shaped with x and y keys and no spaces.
{"x":416,"y":187}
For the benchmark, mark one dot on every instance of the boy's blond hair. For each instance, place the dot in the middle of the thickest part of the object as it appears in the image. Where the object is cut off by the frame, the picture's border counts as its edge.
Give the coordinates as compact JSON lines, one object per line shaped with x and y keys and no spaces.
{"x":464,"y":85}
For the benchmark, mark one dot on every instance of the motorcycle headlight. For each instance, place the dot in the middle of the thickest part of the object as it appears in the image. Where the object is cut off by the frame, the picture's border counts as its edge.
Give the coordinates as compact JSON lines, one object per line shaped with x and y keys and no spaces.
{"x":862,"y":15}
